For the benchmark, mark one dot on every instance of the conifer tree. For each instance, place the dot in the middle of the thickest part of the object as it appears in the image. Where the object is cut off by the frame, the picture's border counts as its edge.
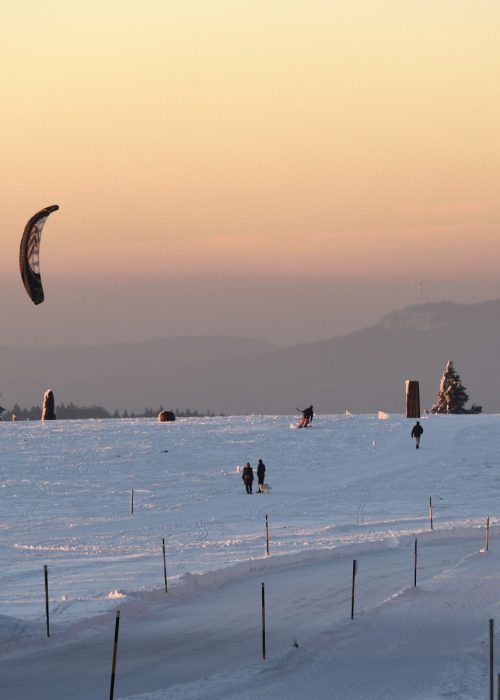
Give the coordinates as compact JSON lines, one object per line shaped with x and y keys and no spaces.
{"x":452,"y":395}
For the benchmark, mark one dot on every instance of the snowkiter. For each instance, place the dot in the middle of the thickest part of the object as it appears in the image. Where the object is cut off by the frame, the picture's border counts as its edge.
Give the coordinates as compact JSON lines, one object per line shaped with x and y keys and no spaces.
{"x":417,"y":433}
{"x":247,"y":476}
{"x":307,"y":416}
{"x":261,"y":473}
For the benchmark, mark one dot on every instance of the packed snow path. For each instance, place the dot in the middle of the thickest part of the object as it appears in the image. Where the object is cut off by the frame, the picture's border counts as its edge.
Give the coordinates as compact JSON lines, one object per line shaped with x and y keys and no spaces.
{"x":215,"y":626}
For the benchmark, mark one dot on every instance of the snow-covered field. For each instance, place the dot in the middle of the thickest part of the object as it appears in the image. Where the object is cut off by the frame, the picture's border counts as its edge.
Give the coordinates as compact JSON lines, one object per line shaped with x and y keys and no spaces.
{"x":351,"y":487}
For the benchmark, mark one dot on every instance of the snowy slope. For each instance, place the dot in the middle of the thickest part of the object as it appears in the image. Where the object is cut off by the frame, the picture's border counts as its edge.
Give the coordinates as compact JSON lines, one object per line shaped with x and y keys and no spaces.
{"x":350,"y":487}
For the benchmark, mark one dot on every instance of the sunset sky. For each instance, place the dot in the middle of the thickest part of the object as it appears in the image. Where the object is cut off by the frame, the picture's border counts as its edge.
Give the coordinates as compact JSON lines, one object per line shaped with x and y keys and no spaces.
{"x":286,"y":139}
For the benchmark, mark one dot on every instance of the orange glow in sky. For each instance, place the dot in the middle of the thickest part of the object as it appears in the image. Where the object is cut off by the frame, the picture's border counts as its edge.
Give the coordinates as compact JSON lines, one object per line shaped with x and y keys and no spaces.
{"x":284,"y":136}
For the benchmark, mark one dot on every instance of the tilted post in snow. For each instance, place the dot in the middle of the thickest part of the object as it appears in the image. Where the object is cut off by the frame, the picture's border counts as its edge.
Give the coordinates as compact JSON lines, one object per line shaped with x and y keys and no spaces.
{"x":115,"y":651}
{"x":165,"y":566}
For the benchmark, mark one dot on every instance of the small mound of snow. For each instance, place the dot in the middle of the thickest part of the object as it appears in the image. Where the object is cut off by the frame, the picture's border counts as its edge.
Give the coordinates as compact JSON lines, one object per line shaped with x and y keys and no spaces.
{"x":114,"y":594}
{"x":382,"y":415}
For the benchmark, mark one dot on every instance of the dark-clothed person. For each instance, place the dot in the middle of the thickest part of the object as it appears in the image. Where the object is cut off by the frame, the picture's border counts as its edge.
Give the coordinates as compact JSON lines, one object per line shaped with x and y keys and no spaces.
{"x":307,"y":416}
{"x":417,"y":433}
{"x":247,"y":476}
{"x":261,"y":473}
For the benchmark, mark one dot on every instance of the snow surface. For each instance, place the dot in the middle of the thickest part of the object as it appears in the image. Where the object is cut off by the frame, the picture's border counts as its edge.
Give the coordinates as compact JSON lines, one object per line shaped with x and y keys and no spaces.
{"x":350,"y":487}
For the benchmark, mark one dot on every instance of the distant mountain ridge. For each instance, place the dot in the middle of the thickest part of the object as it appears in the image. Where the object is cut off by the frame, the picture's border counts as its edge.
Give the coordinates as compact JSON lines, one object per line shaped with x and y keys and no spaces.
{"x":361,"y":372}
{"x":429,"y":315}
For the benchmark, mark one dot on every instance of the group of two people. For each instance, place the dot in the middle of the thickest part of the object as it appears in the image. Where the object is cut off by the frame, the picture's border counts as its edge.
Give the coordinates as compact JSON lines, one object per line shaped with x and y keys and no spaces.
{"x":247,"y":476}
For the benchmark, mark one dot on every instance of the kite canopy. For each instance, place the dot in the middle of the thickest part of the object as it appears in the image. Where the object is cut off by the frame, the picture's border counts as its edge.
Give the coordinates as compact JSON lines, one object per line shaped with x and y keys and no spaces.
{"x":29,"y":254}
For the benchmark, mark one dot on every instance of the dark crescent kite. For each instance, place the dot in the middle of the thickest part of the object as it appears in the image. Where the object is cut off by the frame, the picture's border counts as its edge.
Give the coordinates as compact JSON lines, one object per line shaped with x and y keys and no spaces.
{"x":29,"y":254}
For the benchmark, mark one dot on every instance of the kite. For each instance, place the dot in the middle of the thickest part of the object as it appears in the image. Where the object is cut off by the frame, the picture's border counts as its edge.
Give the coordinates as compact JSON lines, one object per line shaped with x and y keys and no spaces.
{"x":29,"y":254}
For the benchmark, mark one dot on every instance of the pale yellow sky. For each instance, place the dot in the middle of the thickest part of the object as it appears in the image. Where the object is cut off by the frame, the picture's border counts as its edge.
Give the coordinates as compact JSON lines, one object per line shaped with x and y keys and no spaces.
{"x":288,"y":137}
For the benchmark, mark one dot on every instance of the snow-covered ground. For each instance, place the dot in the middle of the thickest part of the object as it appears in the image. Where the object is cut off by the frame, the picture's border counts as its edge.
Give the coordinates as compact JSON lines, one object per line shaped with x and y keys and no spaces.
{"x":351,"y":487}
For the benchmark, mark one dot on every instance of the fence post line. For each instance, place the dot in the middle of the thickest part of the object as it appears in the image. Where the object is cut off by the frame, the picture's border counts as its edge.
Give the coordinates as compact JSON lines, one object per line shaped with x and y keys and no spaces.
{"x":115,"y":651}
{"x":46,"y":577}
{"x":263,"y":624}
{"x":415,"y":564}
{"x":491,"y":660}
{"x":165,"y":566}
{"x":487,"y":532}
{"x":354,"y":570}
{"x":267,"y":536}
{"x":430,"y":512}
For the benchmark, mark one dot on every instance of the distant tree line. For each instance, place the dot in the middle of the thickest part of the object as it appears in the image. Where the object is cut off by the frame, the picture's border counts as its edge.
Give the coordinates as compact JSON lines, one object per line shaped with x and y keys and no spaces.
{"x":71,"y":411}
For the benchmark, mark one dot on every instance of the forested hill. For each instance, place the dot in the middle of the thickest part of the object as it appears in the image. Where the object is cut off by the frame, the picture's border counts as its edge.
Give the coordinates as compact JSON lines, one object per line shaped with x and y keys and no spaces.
{"x":359,"y":372}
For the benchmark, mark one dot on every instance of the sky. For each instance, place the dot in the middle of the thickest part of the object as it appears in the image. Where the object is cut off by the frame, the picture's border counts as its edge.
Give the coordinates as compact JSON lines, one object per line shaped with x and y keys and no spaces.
{"x":234,"y":147}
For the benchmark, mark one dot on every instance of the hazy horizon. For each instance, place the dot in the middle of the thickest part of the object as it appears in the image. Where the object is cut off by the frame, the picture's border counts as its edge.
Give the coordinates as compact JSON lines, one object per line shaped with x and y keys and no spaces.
{"x":81,"y":312}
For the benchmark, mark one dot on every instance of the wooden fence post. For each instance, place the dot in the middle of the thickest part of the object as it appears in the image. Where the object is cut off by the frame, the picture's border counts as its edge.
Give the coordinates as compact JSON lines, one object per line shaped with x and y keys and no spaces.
{"x":263,"y":624}
{"x":115,"y":651}
{"x":415,"y":564}
{"x":491,"y":660}
{"x":165,"y":566}
{"x":430,"y":512}
{"x":487,"y":532}
{"x":267,"y":536}
{"x":46,"y":577}
{"x":132,"y":502}
{"x":354,"y":571}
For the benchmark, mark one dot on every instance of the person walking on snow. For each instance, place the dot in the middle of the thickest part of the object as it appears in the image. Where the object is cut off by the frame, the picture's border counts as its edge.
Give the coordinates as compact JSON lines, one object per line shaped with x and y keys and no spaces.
{"x":417,"y":433}
{"x":247,"y":476}
{"x":261,"y":473}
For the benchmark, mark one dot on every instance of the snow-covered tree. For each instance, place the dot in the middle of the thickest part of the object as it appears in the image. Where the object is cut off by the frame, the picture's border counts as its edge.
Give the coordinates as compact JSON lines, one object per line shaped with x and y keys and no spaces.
{"x":452,"y":395}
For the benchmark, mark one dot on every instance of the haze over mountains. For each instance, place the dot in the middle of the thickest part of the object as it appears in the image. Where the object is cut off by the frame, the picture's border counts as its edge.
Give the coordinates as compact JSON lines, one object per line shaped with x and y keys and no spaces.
{"x":360,"y":372}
